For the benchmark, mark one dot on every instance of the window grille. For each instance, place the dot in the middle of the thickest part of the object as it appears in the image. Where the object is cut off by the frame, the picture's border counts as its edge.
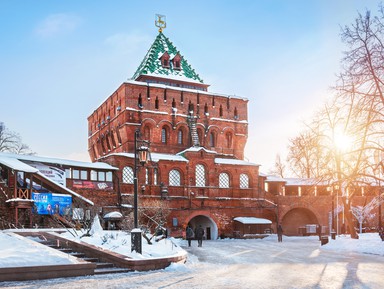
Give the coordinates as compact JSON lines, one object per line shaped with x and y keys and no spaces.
{"x":223,"y":180}
{"x":244,"y":181}
{"x":164,"y":135}
{"x":180,"y":137}
{"x":174,"y":178}
{"x":128,"y":175}
{"x":155,"y":172}
{"x":212,"y":139}
{"x":200,"y":176}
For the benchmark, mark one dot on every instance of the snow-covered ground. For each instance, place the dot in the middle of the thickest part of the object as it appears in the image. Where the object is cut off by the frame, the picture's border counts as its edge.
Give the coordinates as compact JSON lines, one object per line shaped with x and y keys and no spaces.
{"x":297,"y":262}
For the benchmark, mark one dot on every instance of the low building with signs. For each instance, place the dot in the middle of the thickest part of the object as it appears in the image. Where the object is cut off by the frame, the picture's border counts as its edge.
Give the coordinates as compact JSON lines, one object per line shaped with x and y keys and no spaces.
{"x":41,"y":191}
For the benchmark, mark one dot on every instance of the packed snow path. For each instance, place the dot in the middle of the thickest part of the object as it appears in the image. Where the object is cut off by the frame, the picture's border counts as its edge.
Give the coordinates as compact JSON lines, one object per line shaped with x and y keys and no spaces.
{"x":294,"y":263}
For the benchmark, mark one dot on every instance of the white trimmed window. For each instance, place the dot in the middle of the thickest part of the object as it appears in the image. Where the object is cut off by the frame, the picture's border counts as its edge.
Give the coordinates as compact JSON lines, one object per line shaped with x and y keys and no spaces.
{"x":127,"y":175}
{"x":174,"y":178}
{"x":200,"y":176}
{"x":223,"y":180}
{"x":244,"y":181}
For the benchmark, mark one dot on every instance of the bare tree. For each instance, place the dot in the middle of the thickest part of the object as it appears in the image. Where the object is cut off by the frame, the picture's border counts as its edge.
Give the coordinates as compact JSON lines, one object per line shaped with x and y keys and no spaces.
{"x":11,"y":142}
{"x":356,"y":113}
{"x":279,"y":168}
{"x":153,"y":216}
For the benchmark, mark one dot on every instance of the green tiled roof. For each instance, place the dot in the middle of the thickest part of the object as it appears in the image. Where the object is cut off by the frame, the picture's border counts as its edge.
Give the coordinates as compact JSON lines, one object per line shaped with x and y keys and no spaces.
{"x":151,"y":64}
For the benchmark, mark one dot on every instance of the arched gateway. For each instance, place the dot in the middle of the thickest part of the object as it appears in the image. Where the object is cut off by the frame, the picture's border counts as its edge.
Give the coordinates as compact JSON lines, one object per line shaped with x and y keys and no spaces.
{"x":298,"y":218}
{"x":209,"y":226}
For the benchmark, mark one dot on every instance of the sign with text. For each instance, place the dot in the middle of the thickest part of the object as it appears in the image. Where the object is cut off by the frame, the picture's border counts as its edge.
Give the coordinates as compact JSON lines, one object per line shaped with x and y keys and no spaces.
{"x":50,"y":204}
{"x":53,"y":173}
{"x":79,"y":184}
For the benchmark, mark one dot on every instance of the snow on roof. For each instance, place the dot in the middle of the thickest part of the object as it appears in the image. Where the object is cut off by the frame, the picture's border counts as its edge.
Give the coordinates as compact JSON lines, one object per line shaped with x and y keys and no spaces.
{"x":234,"y":162}
{"x":185,"y":89}
{"x":17,"y":165}
{"x":151,"y":64}
{"x":301,"y":182}
{"x":252,"y":220}
{"x":65,"y":189}
{"x":111,"y":215}
{"x":196,"y":149}
{"x":154,"y":156}
{"x":272,"y":178}
{"x":173,"y":77}
{"x":70,"y":163}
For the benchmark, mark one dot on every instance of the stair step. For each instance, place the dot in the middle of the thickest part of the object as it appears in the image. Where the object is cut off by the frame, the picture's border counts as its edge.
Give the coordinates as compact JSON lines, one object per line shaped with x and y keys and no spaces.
{"x":64,"y":250}
{"x":111,"y":270}
{"x":93,"y":260}
{"x":104,"y":265}
{"x":77,"y":254}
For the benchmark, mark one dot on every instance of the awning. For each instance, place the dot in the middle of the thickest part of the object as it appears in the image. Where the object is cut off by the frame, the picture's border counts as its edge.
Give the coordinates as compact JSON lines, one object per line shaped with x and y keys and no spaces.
{"x":17,"y":165}
{"x":113,"y":215}
{"x":252,"y":220}
{"x":60,"y":187}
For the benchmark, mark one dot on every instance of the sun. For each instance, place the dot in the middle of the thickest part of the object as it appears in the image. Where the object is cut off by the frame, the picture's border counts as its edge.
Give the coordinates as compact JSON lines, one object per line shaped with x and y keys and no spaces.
{"x":342,"y":141}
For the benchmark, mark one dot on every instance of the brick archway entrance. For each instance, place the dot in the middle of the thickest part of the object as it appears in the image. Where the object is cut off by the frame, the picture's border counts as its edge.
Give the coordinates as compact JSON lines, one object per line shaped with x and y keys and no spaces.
{"x":296,"y":218}
{"x":209,"y":226}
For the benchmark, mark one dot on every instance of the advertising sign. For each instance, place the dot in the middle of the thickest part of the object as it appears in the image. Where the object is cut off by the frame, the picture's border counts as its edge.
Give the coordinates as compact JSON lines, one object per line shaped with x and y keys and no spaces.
{"x":55,"y":174}
{"x":79,"y":184}
{"x":49,"y":204}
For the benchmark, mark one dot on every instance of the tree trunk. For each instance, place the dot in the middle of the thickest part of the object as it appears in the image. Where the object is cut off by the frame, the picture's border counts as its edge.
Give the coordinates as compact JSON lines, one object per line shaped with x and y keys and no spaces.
{"x":349,"y":218}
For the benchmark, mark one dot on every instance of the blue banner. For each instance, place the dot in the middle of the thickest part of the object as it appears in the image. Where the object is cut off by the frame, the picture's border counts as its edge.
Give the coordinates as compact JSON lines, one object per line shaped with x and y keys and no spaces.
{"x":50,"y":204}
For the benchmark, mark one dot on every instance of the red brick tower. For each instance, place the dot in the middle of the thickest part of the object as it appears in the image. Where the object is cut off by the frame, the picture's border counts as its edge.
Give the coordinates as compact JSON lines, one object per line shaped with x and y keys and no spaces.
{"x":197,"y":141}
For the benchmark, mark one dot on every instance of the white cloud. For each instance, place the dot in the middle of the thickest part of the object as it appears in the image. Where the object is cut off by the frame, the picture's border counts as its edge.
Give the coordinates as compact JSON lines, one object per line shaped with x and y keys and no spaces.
{"x":56,"y":24}
{"x":129,"y":43}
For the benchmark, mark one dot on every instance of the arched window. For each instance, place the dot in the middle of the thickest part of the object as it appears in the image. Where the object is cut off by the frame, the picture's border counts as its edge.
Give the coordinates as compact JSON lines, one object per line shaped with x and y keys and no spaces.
{"x":157,"y":103}
{"x":206,"y":109}
{"x":223,"y":180}
{"x":164,"y":135}
{"x":127,"y":175}
{"x":173,"y":103}
{"x":212,"y":139}
{"x":236,"y":115}
{"x":118,"y":135}
{"x":147,"y":133}
{"x":113,"y":139}
{"x":180,"y":137}
{"x":244,"y":181}
{"x":228,"y":138}
{"x":140,"y":101}
{"x":155,"y":173}
{"x":174,"y":178}
{"x":200,"y":135}
{"x":146,"y":176}
{"x":200,"y":176}
{"x":221,"y":110}
{"x":107,"y":141}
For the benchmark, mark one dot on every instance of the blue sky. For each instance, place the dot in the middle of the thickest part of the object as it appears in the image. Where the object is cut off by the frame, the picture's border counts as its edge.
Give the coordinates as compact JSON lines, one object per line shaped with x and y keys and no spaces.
{"x":59,"y":60}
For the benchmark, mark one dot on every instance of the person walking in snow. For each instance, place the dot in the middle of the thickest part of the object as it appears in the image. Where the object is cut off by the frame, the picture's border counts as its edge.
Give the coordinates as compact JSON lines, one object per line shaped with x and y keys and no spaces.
{"x":199,"y":236}
{"x":280,"y":233}
{"x":190,"y":235}
{"x":318,"y":231}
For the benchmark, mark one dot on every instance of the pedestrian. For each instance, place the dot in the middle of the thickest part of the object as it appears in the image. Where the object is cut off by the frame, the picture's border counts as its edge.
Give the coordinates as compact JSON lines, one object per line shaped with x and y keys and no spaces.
{"x":318,"y":231}
{"x":280,"y":233}
{"x":199,"y":236}
{"x":190,"y":235}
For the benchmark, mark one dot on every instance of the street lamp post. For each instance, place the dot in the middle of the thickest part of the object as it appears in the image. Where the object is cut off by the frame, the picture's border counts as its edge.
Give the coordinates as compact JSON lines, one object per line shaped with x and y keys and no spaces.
{"x":141,"y":155}
{"x":333,"y":217}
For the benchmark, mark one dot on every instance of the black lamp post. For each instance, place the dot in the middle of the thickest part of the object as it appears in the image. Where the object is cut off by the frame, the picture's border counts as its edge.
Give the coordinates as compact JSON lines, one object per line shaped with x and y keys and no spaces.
{"x":332,"y":229}
{"x":333,"y":217}
{"x":141,"y":154}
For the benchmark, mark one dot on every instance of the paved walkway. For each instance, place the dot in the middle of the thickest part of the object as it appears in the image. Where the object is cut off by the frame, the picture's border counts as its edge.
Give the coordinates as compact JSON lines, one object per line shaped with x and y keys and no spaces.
{"x":245,"y":264}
